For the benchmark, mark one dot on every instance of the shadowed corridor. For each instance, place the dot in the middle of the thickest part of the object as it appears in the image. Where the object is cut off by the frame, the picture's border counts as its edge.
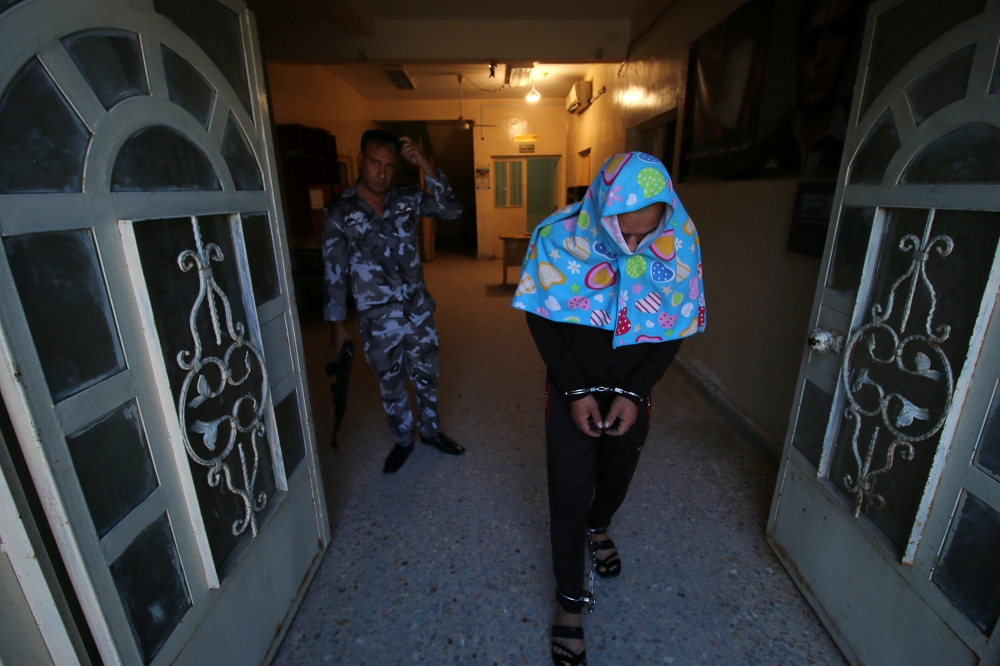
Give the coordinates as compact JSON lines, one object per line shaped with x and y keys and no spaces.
{"x":447,"y":561}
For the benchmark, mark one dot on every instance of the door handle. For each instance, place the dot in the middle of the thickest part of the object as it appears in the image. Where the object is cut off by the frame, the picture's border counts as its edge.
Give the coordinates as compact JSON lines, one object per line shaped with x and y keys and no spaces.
{"x":826,"y":342}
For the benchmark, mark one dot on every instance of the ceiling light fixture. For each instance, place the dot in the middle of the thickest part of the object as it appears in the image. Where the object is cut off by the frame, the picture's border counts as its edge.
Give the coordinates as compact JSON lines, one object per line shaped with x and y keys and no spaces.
{"x":462,"y":123}
{"x":533,"y":95}
{"x":518,"y":76}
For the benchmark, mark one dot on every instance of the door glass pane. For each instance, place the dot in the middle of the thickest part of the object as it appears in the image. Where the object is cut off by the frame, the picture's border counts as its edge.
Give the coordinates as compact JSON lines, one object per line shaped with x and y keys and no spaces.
{"x":187,"y":88}
{"x":995,"y":81}
{"x":500,"y":176}
{"x":903,"y":32}
{"x":216,"y":30}
{"x":42,"y":141}
{"x":59,"y":280}
{"x":293,"y":445}
{"x":7,"y":4}
{"x":111,"y":62}
{"x":113,"y":466}
{"x":884,"y":454}
{"x":240,"y":160}
{"x":968,"y":154}
{"x":876,"y":152}
{"x":151,"y":585}
{"x":851,"y":248}
{"x":988,"y":449}
{"x":260,"y":256}
{"x":230,"y":510}
{"x":810,"y":427}
{"x":941,"y":85}
{"x":968,"y":573}
{"x":161,"y":159}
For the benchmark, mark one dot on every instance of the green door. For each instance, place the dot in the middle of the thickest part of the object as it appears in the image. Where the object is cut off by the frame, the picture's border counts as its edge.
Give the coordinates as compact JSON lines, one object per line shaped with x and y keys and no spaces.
{"x":541,"y":189}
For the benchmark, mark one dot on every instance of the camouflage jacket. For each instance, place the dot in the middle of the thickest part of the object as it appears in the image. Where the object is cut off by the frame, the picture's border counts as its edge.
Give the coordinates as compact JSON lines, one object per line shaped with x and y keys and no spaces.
{"x":378,"y":255}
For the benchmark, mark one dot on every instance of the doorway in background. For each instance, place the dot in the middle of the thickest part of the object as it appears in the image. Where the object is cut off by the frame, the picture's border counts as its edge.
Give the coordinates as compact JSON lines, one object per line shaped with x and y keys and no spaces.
{"x":657,"y":136}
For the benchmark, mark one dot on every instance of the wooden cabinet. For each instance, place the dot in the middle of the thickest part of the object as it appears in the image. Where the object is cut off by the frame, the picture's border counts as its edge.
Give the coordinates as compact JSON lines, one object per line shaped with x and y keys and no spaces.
{"x":309,"y":161}
{"x":311,"y":177}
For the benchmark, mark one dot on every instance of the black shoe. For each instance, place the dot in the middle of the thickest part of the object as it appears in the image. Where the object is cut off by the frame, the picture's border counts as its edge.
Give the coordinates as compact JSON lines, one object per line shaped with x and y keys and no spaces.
{"x":396,"y":458}
{"x":444,"y":444}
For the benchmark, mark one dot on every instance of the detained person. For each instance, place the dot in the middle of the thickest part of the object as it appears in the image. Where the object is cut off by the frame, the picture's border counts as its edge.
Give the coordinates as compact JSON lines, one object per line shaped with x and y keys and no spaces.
{"x":610,"y":286}
{"x":370,"y":243}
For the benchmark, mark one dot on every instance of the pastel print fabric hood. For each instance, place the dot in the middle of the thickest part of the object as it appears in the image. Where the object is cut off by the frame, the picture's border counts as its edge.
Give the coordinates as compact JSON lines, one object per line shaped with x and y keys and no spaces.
{"x":579,"y":269}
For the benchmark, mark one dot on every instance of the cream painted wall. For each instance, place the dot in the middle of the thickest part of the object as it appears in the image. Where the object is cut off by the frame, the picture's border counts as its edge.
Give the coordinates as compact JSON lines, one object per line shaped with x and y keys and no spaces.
{"x":311,"y":95}
{"x":546,"y":118}
{"x":759,"y":295}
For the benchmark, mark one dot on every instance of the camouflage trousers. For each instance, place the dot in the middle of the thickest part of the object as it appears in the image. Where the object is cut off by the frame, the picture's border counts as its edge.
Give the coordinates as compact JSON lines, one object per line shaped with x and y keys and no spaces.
{"x":401,"y":341}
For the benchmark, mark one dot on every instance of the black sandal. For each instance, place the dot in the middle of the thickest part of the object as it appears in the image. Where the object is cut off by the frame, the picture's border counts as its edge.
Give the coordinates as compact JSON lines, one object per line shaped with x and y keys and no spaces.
{"x":612,"y":564}
{"x":565,"y":657}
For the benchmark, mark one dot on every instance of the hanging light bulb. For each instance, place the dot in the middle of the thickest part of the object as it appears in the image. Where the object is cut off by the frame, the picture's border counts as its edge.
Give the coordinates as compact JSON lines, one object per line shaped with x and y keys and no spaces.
{"x":462,"y":123}
{"x":533,"y":95}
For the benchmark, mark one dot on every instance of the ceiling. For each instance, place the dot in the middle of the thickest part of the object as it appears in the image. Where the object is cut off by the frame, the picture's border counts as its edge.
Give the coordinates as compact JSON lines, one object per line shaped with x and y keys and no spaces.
{"x":440,"y":81}
{"x":465,"y":10}
{"x":549,"y":10}
{"x":354,"y":37}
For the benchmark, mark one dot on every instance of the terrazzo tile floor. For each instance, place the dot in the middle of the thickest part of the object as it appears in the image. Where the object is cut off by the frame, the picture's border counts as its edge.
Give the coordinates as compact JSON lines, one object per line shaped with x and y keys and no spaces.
{"x":447,"y":561}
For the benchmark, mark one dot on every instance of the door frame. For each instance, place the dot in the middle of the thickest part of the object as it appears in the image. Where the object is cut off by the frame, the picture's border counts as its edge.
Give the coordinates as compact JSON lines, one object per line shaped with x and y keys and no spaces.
{"x":800,"y":483}
{"x":41,"y":427}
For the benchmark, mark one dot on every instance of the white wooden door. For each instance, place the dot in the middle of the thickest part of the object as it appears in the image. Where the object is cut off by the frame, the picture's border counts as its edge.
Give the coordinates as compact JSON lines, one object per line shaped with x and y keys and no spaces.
{"x":887,"y":508}
{"x":152,"y":358}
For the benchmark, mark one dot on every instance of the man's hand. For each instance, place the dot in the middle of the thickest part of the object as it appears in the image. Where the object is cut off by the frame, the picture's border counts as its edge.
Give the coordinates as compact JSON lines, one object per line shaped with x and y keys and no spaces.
{"x":624,"y":411}
{"x":411,"y":153}
{"x":338,"y":335}
{"x":586,"y":416}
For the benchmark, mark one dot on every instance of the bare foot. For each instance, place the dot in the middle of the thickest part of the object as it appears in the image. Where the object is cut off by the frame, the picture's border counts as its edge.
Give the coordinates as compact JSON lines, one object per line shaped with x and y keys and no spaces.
{"x":570,"y":647}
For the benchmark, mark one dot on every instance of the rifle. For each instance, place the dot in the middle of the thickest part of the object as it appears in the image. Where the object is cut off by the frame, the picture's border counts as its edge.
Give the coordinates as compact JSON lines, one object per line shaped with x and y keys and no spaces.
{"x":342,"y":369}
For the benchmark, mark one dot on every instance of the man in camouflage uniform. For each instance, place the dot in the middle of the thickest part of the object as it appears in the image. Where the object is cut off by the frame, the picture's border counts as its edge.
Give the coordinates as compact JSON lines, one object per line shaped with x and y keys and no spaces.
{"x":370,"y":241}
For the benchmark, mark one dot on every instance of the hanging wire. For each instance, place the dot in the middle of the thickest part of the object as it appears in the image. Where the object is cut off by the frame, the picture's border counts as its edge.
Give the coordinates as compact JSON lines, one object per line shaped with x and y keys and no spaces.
{"x":486,"y":90}
{"x":628,"y":49}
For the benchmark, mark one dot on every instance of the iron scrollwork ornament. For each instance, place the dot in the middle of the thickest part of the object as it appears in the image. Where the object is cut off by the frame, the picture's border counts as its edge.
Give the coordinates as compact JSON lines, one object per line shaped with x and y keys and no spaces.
{"x":894,"y":411}
{"x":208,"y":377}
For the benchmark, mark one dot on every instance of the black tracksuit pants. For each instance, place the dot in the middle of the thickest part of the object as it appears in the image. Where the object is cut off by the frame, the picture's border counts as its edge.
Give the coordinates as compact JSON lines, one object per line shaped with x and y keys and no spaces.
{"x":588,"y":480}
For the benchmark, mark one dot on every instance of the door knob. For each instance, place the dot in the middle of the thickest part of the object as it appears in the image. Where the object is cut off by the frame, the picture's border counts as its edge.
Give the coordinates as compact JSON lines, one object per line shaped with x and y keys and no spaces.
{"x":826,"y":342}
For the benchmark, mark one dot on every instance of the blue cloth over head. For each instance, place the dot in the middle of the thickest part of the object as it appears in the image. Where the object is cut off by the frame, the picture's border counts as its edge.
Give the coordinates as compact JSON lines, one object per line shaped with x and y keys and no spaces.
{"x":579,"y":269}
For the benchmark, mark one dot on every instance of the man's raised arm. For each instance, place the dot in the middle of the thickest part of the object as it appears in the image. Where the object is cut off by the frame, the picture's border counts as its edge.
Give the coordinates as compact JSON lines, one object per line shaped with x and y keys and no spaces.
{"x":439,"y":201}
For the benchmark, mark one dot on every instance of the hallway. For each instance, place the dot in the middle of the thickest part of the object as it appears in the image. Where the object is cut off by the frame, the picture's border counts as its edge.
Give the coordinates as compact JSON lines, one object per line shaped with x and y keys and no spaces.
{"x":447,"y":561}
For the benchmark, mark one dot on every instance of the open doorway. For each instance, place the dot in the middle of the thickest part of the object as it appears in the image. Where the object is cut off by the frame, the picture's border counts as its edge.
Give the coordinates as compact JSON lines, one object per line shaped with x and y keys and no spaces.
{"x":657,"y":137}
{"x":451,"y":150}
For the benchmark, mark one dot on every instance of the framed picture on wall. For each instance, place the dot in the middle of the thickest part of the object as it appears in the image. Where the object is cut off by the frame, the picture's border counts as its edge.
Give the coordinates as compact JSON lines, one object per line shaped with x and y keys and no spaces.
{"x":769,"y":90}
{"x":482,"y":177}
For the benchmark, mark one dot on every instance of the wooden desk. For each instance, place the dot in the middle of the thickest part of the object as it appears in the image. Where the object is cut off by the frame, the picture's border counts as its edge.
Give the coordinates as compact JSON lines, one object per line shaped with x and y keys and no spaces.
{"x":514,"y":249}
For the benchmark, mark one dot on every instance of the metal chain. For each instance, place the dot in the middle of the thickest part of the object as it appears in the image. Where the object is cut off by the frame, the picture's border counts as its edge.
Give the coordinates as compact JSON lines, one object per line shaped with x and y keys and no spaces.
{"x":591,"y":602}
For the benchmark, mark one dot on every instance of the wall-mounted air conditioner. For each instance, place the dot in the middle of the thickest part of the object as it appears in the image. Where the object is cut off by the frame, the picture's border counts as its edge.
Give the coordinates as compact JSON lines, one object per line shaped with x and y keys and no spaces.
{"x":579,"y":97}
